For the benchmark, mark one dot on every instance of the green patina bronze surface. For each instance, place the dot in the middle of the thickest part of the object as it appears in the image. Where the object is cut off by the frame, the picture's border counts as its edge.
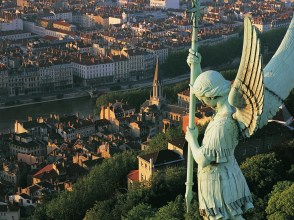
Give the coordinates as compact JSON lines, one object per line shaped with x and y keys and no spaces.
{"x":256,"y":95}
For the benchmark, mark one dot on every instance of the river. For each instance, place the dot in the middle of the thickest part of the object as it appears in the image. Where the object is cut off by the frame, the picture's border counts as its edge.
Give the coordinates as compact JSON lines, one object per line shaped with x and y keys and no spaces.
{"x":84,"y":105}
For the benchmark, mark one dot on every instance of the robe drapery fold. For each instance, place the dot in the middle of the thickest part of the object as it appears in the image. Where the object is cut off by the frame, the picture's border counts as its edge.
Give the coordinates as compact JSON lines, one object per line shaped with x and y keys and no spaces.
{"x":222,"y":189}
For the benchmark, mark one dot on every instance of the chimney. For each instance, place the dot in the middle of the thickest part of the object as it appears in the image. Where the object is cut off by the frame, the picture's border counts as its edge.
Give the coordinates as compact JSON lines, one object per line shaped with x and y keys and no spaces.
{"x":103,"y":112}
{"x":151,"y":166}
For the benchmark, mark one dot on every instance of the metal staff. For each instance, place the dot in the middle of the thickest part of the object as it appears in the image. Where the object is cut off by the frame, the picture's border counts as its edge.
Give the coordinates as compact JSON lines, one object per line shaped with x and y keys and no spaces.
{"x":195,"y":71}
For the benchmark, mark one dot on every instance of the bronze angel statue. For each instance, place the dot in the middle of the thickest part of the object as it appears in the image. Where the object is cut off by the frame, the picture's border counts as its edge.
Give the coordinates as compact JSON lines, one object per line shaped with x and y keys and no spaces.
{"x":256,"y":95}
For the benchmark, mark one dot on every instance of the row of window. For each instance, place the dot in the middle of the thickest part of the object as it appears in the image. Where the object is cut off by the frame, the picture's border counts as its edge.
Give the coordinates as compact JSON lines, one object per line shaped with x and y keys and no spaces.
{"x":146,"y":166}
{"x":269,"y":146}
{"x":259,"y":137}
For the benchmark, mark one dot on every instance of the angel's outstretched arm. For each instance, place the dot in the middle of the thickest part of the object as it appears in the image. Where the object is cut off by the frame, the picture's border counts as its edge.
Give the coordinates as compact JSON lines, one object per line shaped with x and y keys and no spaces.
{"x":191,"y":137}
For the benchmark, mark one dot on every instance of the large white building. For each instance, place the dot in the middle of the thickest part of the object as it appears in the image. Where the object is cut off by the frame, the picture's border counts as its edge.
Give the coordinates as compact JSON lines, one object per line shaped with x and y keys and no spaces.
{"x":55,"y":75}
{"x":15,"y":35}
{"x":86,"y":20}
{"x":63,"y":14}
{"x":165,"y":4}
{"x":137,"y":59}
{"x":118,"y":19}
{"x":121,"y":67}
{"x":158,"y":51}
{"x":11,"y":24}
{"x":90,"y":72}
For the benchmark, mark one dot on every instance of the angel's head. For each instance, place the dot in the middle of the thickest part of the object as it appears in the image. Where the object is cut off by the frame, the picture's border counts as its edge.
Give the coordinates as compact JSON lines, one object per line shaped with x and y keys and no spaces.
{"x":211,"y":88}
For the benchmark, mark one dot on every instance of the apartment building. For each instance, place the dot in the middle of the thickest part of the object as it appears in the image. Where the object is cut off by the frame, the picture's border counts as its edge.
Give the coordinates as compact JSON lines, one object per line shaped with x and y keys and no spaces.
{"x":23,"y":143}
{"x":121,"y":67}
{"x":4,"y":79}
{"x":55,"y":75}
{"x":136,"y":62}
{"x":8,"y":23}
{"x":158,"y":50}
{"x":97,"y":70}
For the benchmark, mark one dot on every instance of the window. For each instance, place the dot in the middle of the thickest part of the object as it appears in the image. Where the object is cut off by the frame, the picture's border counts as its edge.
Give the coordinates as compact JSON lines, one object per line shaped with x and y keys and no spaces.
{"x":256,"y":149}
{"x":269,"y":146}
{"x":244,"y":151}
{"x":142,"y":176}
{"x":257,"y":137}
{"x":145,"y":165}
{"x":245,"y":140}
{"x":141,"y":163}
{"x":270,"y":135}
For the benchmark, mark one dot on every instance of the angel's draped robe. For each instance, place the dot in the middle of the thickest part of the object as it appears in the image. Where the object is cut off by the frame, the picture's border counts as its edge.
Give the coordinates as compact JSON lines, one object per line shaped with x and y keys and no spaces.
{"x":222,"y":188}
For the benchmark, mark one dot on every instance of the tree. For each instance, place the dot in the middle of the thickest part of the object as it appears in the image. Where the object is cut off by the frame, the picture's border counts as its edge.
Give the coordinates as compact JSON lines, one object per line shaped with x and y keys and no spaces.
{"x":140,"y":212}
{"x":289,"y":102}
{"x":284,"y":151}
{"x":258,"y":212}
{"x":173,"y":210}
{"x":102,"y":210}
{"x":175,"y":63}
{"x":159,"y":142}
{"x":281,"y":202}
{"x":262,"y":172}
{"x":290,"y":173}
{"x":193,"y":213}
{"x":229,"y":74}
{"x":99,"y":185}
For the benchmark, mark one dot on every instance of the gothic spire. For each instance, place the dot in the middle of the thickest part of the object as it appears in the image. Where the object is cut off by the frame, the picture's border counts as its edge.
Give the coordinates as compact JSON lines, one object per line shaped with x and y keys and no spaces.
{"x":157,"y":76}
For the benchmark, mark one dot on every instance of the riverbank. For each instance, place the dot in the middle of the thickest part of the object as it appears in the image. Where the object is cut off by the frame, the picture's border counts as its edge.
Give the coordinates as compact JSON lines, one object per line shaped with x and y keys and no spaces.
{"x":68,"y":106}
{"x":7,"y":103}
{"x":24,"y":100}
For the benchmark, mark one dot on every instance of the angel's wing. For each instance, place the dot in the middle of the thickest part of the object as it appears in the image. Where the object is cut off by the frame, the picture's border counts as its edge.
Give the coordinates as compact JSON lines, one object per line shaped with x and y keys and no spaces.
{"x":247,"y":93}
{"x":278,"y":77}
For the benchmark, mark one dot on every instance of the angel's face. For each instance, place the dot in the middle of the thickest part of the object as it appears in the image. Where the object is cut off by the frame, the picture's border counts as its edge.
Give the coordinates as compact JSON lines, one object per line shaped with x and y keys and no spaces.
{"x":210,"y":101}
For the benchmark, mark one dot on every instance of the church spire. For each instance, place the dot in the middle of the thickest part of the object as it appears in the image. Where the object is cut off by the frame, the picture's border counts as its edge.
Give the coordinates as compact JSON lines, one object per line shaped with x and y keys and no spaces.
{"x":157,"y":76}
{"x":157,"y":84}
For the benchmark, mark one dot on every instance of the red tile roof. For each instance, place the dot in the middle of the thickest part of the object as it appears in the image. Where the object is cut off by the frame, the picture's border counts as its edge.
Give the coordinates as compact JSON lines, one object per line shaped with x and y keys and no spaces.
{"x":45,"y":169}
{"x":62,"y":23}
{"x":133,"y":175}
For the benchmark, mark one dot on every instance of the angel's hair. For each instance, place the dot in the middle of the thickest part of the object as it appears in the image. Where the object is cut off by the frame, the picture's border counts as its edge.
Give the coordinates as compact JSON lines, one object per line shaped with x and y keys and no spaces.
{"x":211,"y":84}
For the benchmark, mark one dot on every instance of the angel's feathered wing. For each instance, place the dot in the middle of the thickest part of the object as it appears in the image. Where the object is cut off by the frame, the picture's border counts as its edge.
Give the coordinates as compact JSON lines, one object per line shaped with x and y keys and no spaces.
{"x":247,"y":93}
{"x":278,"y":77}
